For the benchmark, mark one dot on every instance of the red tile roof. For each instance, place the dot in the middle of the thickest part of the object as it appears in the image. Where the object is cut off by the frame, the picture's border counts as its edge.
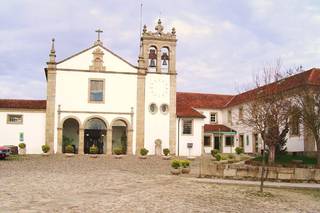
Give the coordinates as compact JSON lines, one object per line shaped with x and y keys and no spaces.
{"x":186,"y":102}
{"x":22,"y":104}
{"x":217,"y":128}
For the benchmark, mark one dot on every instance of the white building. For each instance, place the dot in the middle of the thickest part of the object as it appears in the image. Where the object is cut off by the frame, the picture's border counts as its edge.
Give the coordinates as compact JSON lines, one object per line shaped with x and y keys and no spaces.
{"x":97,"y":97}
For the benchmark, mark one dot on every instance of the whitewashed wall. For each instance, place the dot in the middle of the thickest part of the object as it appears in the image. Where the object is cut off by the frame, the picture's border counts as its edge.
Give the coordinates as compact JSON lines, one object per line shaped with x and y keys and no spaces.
{"x":33,"y":128}
{"x":156,"y":125}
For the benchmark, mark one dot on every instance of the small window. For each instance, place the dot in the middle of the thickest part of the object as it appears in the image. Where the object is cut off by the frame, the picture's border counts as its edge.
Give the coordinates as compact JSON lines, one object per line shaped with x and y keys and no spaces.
{"x":240,"y":113}
{"x":294,"y":125}
{"x":153,"y":108}
{"x":187,"y":127}
{"x":229,"y":140}
{"x":213,"y":117}
{"x":15,"y":119}
{"x":96,"y":90}
{"x":229,"y":116}
{"x":247,"y":141}
{"x":207,"y":141}
{"x":164,"y":108}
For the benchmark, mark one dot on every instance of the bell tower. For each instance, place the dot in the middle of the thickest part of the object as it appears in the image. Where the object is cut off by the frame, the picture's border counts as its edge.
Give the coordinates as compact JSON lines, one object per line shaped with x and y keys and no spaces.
{"x":157,"y":88}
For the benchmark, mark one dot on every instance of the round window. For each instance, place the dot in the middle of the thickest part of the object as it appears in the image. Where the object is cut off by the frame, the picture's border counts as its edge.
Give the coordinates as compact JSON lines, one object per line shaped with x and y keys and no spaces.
{"x":164,"y":108}
{"x":153,"y":108}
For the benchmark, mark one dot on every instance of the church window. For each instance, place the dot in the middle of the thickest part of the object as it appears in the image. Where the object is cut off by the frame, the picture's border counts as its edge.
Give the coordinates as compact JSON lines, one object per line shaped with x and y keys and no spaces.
{"x":187,"y":126}
{"x":164,"y":108}
{"x":96,"y":88}
{"x":213,"y":117}
{"x":153,"y":108}
{"x":15,"y":119}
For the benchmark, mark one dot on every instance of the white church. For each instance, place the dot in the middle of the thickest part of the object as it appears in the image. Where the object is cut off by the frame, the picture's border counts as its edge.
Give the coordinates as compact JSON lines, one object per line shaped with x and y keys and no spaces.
{"x":96,"y":97}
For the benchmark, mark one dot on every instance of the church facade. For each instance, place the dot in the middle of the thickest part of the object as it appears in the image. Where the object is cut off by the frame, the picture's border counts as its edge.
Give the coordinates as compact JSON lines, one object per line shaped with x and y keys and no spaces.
{"x":95,"y":97}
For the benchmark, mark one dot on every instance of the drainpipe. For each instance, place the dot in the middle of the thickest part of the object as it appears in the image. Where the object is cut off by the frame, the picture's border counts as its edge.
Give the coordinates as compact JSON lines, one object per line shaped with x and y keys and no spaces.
{"x":178,"y":136}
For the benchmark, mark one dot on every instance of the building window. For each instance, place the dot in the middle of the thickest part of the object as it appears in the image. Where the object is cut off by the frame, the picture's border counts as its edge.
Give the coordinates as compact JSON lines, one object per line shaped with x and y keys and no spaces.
{"x":247,"y":141}
{"x":229,"y":140}
{"x":96,"y":90}
{"x":187,"y":127}
{"x":153,"y":108}
{"x":229,"y":116}
{"x":213,"y":117}
{"x":15,"y":119}
{"x":207,"y":141}
{"x":240,"y":113}
{"x":164,"y":108}
{"x":294,"y":125}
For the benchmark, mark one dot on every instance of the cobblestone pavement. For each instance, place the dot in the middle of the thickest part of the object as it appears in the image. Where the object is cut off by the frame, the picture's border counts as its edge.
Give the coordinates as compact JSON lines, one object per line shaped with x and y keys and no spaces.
{"x":83,"y":184}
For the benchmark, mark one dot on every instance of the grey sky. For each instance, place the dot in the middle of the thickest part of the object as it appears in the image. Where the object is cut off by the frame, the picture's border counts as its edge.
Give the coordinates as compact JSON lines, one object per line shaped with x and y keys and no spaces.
{"x":221,"y":43}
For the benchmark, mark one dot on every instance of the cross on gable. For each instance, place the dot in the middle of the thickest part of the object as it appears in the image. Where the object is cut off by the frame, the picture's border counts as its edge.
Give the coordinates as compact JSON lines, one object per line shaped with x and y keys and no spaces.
{"x":99,"y":31}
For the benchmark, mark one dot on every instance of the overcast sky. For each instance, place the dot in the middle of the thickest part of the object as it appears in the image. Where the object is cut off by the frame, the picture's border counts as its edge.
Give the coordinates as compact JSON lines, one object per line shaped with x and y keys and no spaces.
{"x":221,"y":43}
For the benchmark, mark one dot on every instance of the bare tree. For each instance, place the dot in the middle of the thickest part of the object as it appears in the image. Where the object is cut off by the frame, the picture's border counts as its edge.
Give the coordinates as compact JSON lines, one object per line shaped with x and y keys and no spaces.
{"x":308,"y":103}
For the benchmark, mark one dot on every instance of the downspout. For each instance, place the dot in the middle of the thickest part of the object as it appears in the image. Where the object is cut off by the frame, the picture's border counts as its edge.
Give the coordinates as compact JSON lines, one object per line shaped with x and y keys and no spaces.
{"x":178,"y":136}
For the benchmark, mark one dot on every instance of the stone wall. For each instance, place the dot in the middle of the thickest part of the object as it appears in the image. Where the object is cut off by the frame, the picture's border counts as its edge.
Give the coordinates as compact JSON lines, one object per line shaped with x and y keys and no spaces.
{"x":241,"y":171}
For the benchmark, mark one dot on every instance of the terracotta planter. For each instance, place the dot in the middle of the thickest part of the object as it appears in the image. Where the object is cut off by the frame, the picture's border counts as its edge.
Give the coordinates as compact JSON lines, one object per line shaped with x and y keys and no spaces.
{"x":143,"y":157}
{"x":185,"y":170}
{"x":118,"y":156}
{"x":175,"y":171}
{"x":168,"y":157}
{"x":69,"y":155}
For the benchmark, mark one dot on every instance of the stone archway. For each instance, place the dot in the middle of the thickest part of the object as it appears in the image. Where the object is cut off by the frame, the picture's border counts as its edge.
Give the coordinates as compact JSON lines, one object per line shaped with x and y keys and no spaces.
{"x":158,"y":147}
{"x":119,"y":135}
{"x":70,"y":134}
{"x":95,"y":132}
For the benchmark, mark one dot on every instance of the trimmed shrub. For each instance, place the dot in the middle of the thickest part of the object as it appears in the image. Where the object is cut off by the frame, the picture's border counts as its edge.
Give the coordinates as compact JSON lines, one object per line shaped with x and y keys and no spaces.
{"x":166,"y":151}
{"x":175,"y":164}
{"x":118,"y":151}
{"x":22,"y":145}
{"x":185,"y":163}
{"x":214,"y":152}
{"x":239,"y":150}
{"x":69,"y":149}
{"x":93,"y":150}
{"x":218,"y":157}
{"x":144,"y":151}
{"x":45,"y":148}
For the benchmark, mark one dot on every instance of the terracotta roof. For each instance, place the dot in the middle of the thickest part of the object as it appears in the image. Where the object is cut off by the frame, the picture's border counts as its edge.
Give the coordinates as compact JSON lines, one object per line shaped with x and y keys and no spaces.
{"x":310,"y":77}
{"x":186,"y":102}
{"x":217,"y":128}
{"x":23,"y":104}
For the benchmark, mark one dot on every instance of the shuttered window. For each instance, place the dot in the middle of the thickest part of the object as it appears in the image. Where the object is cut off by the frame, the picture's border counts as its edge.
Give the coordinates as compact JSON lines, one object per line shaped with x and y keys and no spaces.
{"x":187,"y":127}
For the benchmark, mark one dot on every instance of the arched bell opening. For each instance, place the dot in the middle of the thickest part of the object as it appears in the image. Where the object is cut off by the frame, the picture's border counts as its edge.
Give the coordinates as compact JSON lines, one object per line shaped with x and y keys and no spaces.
{"x":165,"y":59}
{"x":95,"y":132}
{"x":152,"y":59}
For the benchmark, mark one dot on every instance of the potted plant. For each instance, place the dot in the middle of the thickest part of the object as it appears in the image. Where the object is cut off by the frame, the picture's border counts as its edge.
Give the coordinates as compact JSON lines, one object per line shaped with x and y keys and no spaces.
{"x":143,"y":153}
{"x":175,"y":167}
{"x":22,"y":148}
{"x":185,"y":164}
{"x":45,"y":149}
{"x":69,"y":150}
{"x":93,"y":150}
{"x":166,"y":153}
{"x":118,"y":152}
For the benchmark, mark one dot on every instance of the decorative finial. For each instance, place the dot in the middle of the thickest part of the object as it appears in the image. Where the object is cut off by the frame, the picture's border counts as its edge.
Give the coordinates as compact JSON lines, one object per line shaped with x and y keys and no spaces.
{"x":173,"y":32}
{"x":144,"y":28}
{"x":159,"y":27}
{"x":52,"y":54}
{"x":52,"y":46}
{"x":98,"y":31}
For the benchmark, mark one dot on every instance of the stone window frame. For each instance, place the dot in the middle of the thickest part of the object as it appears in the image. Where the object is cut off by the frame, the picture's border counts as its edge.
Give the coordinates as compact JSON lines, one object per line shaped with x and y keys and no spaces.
{"x":103,"y":90}
{"x":164,"y":112}
{"x":192,"y":126}
{"x":13,"y":122}
{"x":156,"y":108}
{"x":215,"y":117}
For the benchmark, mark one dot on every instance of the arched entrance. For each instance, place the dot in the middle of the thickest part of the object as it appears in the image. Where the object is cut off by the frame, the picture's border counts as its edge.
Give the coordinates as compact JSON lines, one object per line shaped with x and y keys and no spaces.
{"x":70,"y":134}
{"x":95,"y":134}
{"x":119,"y":136}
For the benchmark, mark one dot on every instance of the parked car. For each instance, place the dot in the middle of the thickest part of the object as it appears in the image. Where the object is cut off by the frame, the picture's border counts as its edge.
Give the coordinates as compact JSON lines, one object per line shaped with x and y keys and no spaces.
{"x":4,"y":152}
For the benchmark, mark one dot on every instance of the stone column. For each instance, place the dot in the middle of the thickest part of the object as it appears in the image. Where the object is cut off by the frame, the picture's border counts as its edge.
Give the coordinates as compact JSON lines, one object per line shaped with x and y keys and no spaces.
{"x":129,"y":141}
{"x":59,"y":147}
{"x":81,"y":141}
{"x":109,"y":141}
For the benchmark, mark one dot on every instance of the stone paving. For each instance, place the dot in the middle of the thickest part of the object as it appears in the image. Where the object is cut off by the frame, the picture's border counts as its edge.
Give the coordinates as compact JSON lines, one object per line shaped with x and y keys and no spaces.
{"x":83,"y":184}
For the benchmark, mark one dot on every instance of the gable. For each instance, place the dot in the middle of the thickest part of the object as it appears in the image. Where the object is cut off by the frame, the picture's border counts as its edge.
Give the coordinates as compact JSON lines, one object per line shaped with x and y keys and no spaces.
{"x":89,"y":58}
